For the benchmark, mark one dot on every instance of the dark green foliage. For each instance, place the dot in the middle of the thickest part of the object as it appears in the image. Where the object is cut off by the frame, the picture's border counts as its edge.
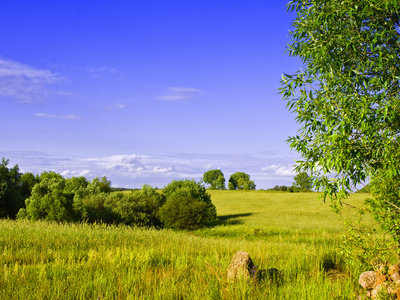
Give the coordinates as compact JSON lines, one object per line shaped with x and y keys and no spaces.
{"x":215,"y":178}
{"x":28,"y":181}
{"x":182,"y":211}
{"x":282,"y":188}
{"x":11,"y":196}
{"x":240,"y":180}
{"x":188,"y":205}
{"x":303,"y":182}
{"x":98,"y":207}
{"x":139,"y":207}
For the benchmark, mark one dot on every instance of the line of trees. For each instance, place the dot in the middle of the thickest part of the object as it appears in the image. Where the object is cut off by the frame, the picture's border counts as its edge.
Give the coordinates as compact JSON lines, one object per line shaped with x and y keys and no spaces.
{"x":302,"y":183}
{"x":183,"y":204}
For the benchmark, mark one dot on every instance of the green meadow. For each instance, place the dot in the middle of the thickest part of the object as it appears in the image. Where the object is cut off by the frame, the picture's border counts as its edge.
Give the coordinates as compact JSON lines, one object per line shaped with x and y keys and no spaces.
{"x":293,"y":232}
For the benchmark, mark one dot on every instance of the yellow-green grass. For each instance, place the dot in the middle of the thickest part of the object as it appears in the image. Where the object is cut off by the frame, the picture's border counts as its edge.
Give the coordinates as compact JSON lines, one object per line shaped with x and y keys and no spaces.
{"x":295,"y":233}
{"x":302,"y":211}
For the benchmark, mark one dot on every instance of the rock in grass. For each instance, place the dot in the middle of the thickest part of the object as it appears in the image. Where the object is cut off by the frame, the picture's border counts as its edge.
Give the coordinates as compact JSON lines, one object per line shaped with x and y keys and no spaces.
{"x":240,"y":266}
{"x":368,"y":280}
{"x":395,"y":276}
{"x":393,"y":269}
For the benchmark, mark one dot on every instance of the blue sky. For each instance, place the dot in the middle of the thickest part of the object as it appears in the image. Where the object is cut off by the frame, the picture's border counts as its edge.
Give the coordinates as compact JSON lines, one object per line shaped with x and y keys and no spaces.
{"x":146,"y":91}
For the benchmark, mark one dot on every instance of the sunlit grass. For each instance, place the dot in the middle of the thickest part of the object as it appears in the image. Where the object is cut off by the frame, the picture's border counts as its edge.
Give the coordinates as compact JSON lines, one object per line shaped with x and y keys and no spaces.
{"x":80,"y":261}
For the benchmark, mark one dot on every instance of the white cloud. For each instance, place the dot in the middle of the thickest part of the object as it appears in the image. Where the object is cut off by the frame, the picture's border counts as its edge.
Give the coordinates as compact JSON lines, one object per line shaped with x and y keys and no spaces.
{"x":279,"y":170}
{"x":132,"y":164}
{"x":56,"y":116}
{"x":74,"y":173}
{"x":270,"y":168}
{"x":24,"y":82}
{"x":178,"y":94}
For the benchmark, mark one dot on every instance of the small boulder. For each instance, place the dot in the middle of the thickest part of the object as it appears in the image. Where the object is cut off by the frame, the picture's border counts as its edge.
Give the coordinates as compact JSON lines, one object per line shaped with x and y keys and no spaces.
{"x":368,"y":280}
{"x":380,"y":290}
{"x":394,"y":269}
{"x":240,"y":266}
{"x":395,"y":276}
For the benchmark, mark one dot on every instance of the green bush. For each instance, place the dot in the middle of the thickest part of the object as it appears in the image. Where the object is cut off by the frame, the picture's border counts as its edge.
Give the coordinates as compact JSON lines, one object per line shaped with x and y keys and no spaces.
{"x":49,"y":200}
{"x":188,"y":205}
{"x":139,"y":207}
{"x":98,"y":208}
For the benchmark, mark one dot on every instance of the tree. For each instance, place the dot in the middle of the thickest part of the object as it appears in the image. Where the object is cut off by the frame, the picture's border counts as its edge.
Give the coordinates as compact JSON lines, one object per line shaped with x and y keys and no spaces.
{"x":139,"y":207}
{"x":187,"y":206}
{"x":11,"y":198}
{"x":50,"y":200}
{"x":303,"y":181}
{"x":215,"y":178}
{"x":28,"y":181}
{"x":347,"y":95}
{"x":240,"y":180}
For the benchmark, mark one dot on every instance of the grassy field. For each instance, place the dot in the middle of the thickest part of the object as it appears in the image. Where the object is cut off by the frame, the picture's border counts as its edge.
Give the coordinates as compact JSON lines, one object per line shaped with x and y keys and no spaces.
{"x":293,"y":232}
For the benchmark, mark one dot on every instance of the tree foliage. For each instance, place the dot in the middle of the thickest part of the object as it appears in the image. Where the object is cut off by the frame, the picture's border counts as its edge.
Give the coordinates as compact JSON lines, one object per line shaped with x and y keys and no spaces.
{"x":346,"y":96}
{"x":139,"y":207}
{"x":215,"y":178}
{"x":11,"y":197}
{"x":50,"y":200}
{"x":303,"y":181}
{"x":241,"y":180}
{"x":187,"y":206}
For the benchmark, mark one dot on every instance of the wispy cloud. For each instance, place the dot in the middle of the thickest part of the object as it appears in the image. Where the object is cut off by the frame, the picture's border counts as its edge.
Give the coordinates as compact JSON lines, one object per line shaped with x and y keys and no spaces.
{"x":116,"y":106}
{"x":178,"y":94}
{"x":70,"y":117}
{"x":133,"y":170}
{"x":279,"y":170}
{"x":132,"y":164}
{"x":99,"y":72}
{"x":74,"y":173}
{"x":23,"y":82}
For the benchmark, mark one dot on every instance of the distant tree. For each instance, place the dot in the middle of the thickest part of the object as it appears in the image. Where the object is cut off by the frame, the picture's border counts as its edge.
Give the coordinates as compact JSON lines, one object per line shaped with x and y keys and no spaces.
{"x":303,"y":181}
{"x":215,"y":178}
{"x":240,"y":180}
{"x":282,"y":188}
{"x":99,"y":186}
{"x":11,"y":198}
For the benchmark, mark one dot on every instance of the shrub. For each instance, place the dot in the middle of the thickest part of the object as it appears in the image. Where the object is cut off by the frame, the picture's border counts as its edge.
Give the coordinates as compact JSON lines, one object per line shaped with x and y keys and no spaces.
{"x":98,"y":208}
{"x":183,"y":212}
{"x":188,"y":205}
{"x":139,"y":207}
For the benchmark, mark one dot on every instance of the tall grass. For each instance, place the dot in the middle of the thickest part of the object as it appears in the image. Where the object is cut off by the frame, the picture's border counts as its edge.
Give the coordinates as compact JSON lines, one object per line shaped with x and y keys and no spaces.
{"x":291,"y":232}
